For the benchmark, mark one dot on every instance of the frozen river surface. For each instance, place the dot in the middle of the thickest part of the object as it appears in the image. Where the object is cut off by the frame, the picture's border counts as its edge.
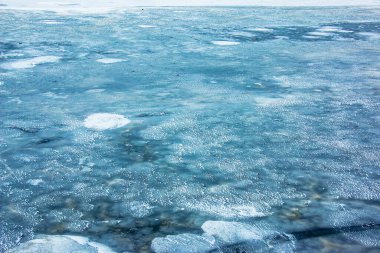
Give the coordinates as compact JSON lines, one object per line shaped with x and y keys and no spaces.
{"x":191,"y":130}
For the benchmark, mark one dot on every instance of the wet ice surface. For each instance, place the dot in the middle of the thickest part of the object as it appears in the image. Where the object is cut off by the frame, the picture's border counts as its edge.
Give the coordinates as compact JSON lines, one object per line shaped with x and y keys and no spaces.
{"x":133,"y":126}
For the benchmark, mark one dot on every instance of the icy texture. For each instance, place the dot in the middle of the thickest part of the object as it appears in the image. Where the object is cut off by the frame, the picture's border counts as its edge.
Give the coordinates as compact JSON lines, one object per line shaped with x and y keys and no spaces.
{"x":279,"y":133}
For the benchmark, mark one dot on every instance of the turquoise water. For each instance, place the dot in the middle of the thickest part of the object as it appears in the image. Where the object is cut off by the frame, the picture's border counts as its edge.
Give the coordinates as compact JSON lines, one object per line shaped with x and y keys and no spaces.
{"x":266,"y":117}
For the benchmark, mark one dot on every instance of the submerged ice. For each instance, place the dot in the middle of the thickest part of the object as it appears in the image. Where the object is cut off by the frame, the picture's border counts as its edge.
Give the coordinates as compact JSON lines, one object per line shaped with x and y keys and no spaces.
{"x":191,"y":130}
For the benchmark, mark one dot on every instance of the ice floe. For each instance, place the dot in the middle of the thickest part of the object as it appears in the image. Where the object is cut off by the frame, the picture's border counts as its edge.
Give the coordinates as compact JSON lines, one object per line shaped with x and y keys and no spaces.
{"x":51,"y":22}
{"x":370,"y":35}
{"x":110,"y":60}
{"x":61,"y":244}
{"x":225,"y":236}
{"x":332,"y":29}
{"x":321,"y":34}
{"x":147,"y":26}
{"x":104,"y":121}
{"x":265,"y":30}
{"x":310,"y":37}
{"x":224,"y":43}
{"x":217,"y":235}
{"x":30,"y":63}
{"x":35,"y":181}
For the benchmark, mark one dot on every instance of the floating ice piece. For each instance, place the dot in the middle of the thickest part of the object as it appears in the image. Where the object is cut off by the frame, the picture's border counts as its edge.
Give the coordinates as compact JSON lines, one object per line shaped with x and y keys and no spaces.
{"x":109,"y":60}
{"x":147,"y":26}
{"x":104,"y":121}
{"x":184,"y":243}
{"x":224,"y":43}
{"x":51,"y":22}
{"x":61,"y":244}
{"x":218,"y":236}
{"x":35,"y":181}
{"x":265,"y":30}
{"x":332,"y":29}
{"x":320,"y":34}
{"x":243,"y":34}
{"x":280,"y":101}
{"x":310,"y":37}
{"x":370,"y":35}
{"x":231,"y":232}
{"x":30,"y":63}
{"x":282,"y":37}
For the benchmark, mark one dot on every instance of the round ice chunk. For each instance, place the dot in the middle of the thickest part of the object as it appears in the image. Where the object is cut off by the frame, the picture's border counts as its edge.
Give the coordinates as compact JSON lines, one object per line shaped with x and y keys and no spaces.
{"x":104,"y":121}
{"x":225,"y":43}
{"x":60,"y":244}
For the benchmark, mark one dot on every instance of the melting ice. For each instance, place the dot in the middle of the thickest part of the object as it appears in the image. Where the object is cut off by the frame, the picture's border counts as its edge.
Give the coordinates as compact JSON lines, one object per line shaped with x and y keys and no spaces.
{"x":190,"y":130}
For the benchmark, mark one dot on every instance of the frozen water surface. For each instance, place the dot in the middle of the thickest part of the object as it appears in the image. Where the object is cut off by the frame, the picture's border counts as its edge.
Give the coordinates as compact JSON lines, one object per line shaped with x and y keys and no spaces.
{"x":197,"y":129}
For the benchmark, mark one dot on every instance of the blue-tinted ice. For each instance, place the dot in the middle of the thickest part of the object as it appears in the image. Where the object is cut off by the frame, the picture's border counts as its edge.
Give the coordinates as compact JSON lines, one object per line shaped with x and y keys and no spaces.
{"x":216,"y":127}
